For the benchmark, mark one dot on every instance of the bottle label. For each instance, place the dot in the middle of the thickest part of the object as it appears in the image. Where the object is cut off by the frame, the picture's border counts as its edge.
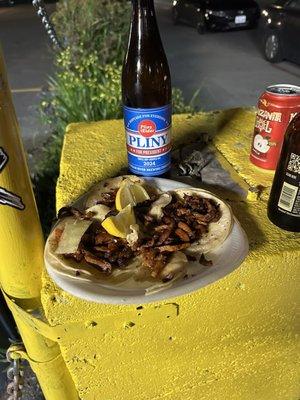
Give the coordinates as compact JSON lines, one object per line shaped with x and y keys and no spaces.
{"x":289,"y":199}
{"x":148,"y":138}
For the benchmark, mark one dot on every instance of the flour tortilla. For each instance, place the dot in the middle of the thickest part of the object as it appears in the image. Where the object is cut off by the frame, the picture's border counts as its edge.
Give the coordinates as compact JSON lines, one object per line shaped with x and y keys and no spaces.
{"x":84,"y":271}
{"x":218,"y":231}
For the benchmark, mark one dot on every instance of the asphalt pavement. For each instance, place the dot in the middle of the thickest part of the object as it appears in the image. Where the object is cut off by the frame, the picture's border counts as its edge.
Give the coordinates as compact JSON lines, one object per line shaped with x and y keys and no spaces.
{"x":29,"y":62}
{"x":226,"y":68}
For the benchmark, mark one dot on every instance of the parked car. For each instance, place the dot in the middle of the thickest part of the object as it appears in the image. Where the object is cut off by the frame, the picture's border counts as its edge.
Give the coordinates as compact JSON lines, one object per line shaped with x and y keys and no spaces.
{"x":216,"y":14}
{"x":281,"y":31}
{"x":7,"y":3}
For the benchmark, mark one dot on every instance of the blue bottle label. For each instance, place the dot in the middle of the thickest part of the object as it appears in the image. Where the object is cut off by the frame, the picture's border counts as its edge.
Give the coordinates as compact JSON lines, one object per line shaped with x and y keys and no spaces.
{"x":148,"y":138}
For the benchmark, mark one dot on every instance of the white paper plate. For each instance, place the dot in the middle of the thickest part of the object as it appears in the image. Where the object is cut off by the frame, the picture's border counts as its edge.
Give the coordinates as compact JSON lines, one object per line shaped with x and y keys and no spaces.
{"x":226,"y":258}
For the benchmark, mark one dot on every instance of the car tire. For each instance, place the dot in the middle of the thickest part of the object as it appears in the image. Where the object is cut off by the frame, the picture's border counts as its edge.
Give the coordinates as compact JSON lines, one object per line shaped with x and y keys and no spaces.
{"x":175,"y":16}
{"x":201,"y":27}
{"x":272,"y":47}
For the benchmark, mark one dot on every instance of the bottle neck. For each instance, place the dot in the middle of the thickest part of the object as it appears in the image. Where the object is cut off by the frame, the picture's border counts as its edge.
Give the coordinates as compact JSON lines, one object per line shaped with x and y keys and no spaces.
{"x":144,"y":22}
{"x":143,"y":4}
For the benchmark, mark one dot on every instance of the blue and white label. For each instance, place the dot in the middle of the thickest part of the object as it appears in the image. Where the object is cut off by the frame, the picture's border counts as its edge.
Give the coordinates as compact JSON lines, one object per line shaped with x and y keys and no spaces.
{"x":148,"y":138}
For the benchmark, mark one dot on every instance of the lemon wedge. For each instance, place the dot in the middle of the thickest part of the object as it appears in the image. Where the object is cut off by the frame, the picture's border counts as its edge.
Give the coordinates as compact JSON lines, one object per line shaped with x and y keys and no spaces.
{"x":130,"y":193}
{"x":119,"y":225}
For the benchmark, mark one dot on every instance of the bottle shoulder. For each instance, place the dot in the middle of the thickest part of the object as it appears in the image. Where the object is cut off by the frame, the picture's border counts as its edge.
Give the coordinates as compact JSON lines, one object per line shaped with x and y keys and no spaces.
{"x":139,"y":67}
{"x":150,"y":51}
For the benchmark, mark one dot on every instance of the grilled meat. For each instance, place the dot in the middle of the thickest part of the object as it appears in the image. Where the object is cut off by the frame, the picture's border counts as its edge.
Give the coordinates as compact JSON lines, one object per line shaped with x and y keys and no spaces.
{"x":183,"y":221}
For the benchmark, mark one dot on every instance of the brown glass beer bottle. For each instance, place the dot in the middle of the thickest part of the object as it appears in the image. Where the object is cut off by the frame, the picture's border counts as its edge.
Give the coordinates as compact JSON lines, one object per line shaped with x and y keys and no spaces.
{"x":284,"y":201}
{"x":147,"y":95}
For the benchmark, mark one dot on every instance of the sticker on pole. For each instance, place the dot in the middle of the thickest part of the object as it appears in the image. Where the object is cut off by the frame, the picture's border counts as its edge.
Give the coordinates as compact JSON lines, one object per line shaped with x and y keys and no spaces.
{"x":8,"y":198}
{"x":3,"y":159}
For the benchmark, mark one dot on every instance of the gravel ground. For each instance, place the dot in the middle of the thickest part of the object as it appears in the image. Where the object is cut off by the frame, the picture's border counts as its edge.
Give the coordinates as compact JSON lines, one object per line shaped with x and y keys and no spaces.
{"x":31,"y":389}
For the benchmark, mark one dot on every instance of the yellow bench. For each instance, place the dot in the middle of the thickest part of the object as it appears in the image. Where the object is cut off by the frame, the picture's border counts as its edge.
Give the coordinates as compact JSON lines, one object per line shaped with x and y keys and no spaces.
{"x":233,"y":340}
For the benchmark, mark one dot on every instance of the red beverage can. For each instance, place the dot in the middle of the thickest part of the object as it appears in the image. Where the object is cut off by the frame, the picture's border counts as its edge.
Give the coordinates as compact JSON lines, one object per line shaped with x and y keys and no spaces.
{"x":277,"y":106}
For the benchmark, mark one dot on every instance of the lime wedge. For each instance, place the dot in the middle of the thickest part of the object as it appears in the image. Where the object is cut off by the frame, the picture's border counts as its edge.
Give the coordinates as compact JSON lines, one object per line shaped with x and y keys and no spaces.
{"x":119,"y":225}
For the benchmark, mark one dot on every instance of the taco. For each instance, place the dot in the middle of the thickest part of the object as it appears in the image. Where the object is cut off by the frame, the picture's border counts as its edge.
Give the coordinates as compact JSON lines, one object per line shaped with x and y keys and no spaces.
{"x":147,"y":244}
{"x":219,"y":226}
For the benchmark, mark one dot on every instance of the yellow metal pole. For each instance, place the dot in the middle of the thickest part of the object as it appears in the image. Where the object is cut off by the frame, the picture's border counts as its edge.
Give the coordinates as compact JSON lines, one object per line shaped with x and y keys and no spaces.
{"x":21,"y":253}
{"x":44,"y":355}
{"x":21,"y":239}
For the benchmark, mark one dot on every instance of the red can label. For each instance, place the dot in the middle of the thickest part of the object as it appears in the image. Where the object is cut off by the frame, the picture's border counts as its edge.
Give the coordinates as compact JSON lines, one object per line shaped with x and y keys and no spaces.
{"x":275,"y":111}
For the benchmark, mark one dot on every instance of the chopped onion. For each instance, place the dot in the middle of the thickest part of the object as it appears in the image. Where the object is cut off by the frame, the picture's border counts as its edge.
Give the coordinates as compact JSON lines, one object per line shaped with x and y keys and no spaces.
{"x":156,"y":209}
{"x":73,"y":231}
{"x":133,"y":236}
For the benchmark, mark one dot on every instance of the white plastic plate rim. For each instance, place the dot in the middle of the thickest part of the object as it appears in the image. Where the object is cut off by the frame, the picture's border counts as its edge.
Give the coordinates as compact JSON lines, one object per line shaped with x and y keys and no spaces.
{"x":226,"y":258}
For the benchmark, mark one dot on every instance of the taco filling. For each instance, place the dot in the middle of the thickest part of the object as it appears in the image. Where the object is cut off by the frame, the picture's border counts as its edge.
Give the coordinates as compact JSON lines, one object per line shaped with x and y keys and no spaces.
{"x":162,"y":231}
{"x":181,"y":223}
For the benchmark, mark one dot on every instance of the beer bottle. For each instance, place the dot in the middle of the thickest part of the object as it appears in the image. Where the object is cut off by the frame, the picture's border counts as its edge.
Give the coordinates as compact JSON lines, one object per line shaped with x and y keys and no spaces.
{"x":147,"y":95}
{"x":284,"y":201}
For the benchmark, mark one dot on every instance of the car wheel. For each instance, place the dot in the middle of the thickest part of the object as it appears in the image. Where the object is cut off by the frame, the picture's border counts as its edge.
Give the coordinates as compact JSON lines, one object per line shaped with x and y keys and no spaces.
{"x":201,"y":27}
{"x":272,"y":47}
{"x":175,"y":15}
{"x":11,"y":3}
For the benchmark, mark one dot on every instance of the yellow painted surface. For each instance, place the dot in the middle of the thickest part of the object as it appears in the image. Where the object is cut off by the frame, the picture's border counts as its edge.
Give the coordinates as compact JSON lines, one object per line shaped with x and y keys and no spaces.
{"x":21,"y":239}
{"x":234,"y":143}
{"x":237,"y":339}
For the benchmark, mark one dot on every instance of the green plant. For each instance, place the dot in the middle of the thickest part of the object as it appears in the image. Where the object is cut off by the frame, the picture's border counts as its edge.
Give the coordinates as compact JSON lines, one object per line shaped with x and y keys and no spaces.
{"x":81,"y":92}
{"x":86,"y":91}
{"x":180,"y":106}
{"x":99,"y":26}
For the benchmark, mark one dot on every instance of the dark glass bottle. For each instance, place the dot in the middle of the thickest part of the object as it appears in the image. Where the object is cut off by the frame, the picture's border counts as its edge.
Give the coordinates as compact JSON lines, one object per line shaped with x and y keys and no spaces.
{"x":284,"y":201}
{"x":147,"y":94}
